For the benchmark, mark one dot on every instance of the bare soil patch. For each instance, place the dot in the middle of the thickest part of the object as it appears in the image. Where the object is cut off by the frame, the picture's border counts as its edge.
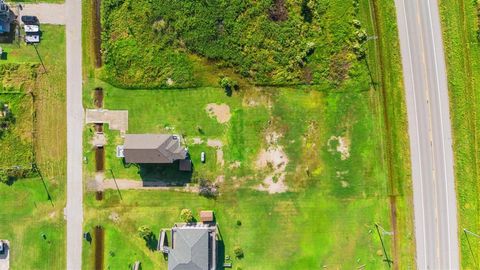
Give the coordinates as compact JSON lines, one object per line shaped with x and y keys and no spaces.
{"x":342,"y":147}
{"x":217,"y":144}
{"x":219,"y":111}
{"x":197,"y":140}
{"x":273,"y":158}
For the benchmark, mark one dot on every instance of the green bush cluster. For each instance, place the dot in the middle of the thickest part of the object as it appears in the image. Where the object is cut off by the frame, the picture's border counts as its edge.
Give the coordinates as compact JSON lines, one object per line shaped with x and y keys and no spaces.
{"x":272,"y":42}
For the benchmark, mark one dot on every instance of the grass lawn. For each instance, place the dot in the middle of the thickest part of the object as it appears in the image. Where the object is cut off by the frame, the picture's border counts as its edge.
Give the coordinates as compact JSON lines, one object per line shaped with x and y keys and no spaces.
{"x":460,"y":28}
{"x":341,"y":174}
{"x":27,"y":212}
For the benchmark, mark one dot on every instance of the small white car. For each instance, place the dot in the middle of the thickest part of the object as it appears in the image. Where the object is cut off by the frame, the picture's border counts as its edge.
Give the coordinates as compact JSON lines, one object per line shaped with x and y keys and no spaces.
{"x":31,"y":28}
{"x":202,"y":157}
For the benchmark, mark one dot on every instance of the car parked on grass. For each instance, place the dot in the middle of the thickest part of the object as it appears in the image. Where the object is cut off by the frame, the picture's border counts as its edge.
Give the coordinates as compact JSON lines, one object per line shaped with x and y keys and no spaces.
{"x":202,"y":157}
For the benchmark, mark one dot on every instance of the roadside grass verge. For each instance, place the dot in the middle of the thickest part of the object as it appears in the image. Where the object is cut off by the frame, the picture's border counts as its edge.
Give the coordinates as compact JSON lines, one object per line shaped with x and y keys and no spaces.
{"x":462,"y":51}
{"x":34,"y":206}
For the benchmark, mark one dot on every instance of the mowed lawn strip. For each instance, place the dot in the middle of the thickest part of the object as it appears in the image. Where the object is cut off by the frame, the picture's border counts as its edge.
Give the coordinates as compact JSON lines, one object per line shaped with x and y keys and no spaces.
{"x":462,"y":52}
{"x":27,"y":213}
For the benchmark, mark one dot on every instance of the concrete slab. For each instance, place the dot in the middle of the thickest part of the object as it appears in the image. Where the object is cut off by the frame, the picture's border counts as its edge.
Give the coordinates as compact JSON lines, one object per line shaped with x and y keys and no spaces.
{"x":46,"y":13}
{"x":116,"y":120}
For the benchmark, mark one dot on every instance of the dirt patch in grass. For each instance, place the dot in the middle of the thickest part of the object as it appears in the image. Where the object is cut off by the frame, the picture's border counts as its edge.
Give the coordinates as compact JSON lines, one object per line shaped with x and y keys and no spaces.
{"x":217,"y":144}
{"x":275,"y":159}
{"x":341,"y":145}
{"x":219,"y":111}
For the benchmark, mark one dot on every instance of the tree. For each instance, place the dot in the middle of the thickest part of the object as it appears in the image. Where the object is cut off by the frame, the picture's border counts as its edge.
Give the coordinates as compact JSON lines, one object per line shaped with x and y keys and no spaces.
{"x":228,"y":84}
{"x":186,"y":215}
{"x":145,"y":232}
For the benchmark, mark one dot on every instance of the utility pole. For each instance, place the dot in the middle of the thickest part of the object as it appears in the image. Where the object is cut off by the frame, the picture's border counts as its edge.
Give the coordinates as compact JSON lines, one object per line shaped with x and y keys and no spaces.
{"x":467,"y":232}
{"x":39,"y":57}
{"x":389,"y":262}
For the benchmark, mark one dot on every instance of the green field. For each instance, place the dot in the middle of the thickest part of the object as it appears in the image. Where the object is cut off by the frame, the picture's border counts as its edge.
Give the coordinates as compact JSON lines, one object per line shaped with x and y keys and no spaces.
{"x":341,"y":176}
{"x":33,"y":207}
{"x":461,"y":28}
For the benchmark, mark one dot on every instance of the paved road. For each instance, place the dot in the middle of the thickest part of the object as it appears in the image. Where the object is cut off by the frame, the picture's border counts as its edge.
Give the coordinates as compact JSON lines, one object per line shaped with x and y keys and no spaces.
{"x":74,"y":210}
{"x":430,"y":134}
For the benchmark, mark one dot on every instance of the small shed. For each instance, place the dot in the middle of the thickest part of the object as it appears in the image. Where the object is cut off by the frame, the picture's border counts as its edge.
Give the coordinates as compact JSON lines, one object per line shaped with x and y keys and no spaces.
{"x":206,"y":216}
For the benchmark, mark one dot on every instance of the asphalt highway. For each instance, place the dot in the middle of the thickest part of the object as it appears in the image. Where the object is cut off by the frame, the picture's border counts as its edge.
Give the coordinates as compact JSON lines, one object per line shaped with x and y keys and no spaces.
{"x":424,"y":72}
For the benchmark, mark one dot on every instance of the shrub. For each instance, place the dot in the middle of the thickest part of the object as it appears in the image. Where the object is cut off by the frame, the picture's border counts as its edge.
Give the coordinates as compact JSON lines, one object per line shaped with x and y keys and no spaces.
{"x":186,"y":215}
{"x":145,"y":232}
{"x":238,"y":251}
{"x":207,"y":189}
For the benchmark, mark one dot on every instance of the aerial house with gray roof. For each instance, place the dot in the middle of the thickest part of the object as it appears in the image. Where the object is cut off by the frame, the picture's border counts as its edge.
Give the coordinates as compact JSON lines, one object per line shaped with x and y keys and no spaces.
{"x":155,"y":149}
{"x":194,"y":247}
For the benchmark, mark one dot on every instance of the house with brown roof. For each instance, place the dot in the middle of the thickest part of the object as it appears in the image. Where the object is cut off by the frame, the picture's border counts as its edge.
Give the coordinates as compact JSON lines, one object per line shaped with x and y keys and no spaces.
{"x":155,"y":149}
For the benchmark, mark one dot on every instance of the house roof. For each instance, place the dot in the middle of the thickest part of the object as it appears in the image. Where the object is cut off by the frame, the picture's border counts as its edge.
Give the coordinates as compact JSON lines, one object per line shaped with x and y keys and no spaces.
{"x":190,"y":249}
{"x":153,"y":148}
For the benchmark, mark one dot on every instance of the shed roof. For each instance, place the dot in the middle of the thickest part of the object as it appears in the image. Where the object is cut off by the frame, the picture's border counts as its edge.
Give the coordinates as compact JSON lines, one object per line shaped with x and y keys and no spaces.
{"x":153,"y":148}
{"x":206,"y":216}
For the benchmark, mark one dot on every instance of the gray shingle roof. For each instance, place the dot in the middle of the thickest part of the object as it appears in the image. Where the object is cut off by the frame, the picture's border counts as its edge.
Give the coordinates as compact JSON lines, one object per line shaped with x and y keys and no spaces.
{"x":190,"y":249}
{"x":153,"y":148}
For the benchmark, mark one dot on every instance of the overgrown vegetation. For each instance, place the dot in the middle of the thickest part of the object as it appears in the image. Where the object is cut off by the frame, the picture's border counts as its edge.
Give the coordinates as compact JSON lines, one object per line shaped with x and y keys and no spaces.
{"x":16,"y":134}
{"x":147,"y":44}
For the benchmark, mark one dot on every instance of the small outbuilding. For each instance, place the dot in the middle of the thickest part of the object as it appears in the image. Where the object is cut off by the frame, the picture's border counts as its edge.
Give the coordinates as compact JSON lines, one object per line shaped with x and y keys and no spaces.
{"x":206,"y":216}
